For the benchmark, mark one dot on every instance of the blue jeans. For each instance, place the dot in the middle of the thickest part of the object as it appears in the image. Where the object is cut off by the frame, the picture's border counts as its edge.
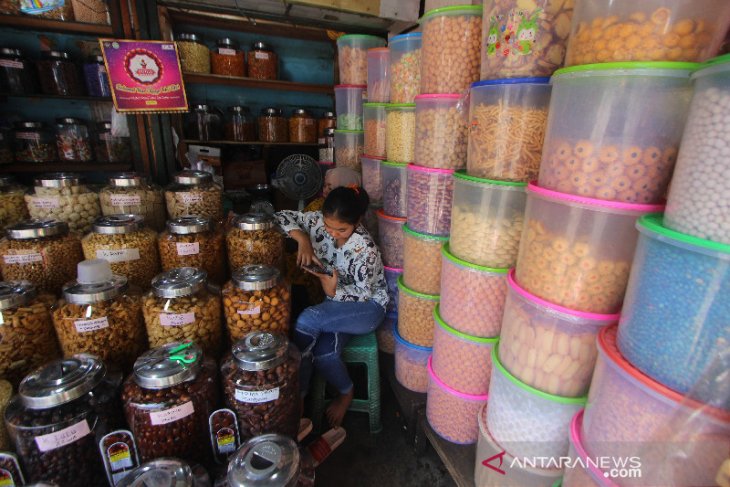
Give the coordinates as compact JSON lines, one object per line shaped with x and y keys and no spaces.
{"x":322,"y":331}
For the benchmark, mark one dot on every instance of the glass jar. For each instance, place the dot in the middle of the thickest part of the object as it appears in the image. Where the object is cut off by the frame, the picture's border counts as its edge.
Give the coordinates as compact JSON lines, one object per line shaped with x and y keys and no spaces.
{"x":131,"y":194}
{"x":34,"y":142}
{"x":111,"y":148}
{"x":327,"y":146}
{"x":194,"y":56}
{"x":256,"y":298}
{"x":61,"y":196}
{"x":241,"y":126}
{"x":193,"y":241}
{"x":180,"y":307}
{"x":194,"y":193}
{"x":73,"y":141}
{"x":27,"y":338}
{"x":49,"y":9}
{"x":97,"y":315}
{"x":96,"y":77}
{"x":302,"y":127}
{"x":10,"y":7}
{"x":204,"y":123}
{"x":55,"y":421}
{"x":128,"y":246}
{"x":168,"y":400}
{"x":261,"y":384}
{"x":263,"y":63}
{"x":254,"y":239}
{"x":268,"y":460}
{"x":273,"y":126}
{"x":227,"y":59}
{"x":12,"y":202}
{"x":58,"y":75}
{"x":42,"y":252}
{"x":17,"y":74}
{"x":327,"y":121}
{"x":6,"y":146}
{"x":166,"y":472}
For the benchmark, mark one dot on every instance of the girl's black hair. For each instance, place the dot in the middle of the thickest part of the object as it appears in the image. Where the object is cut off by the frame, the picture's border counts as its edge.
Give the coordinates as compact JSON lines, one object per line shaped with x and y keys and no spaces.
{"x":347,"y":204}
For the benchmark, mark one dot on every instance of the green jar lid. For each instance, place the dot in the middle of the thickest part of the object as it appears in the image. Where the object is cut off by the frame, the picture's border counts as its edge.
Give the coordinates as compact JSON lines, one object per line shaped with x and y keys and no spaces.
{"x":423,"y":236}
{"x":655,"y":223}
{"x":690,"y":67}
{"x":446,"y":252}
{"x":375,"y":105}
{"x":461,"y":174}
{"x":467,"y":9}
{"x":342,"y":131}
{"x":400,"y":106}
{"x":407,"y":290}
{"x":719,"y":64}
{"x":361,"y":36}
{"x":399,"y":165}
{"x":440,"y":322}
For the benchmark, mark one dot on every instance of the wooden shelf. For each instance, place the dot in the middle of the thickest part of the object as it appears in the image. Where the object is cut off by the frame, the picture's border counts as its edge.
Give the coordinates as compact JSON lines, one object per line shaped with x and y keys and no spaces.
{"x":266,"y":84}
{"x":57,"y":97}
{"x":458,"y":459}
{"x":65,"y":166}
{"x":254,"y":142}
{"x":36,"y":23}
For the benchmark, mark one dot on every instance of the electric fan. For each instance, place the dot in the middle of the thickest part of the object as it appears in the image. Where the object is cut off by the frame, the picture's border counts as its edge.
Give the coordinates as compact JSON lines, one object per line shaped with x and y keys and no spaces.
{"x":299,"y":177}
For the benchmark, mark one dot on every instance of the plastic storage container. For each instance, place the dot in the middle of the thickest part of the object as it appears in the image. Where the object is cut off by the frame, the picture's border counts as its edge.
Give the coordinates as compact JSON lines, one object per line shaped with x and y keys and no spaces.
{"x":576,"y":252}
{"x":302,"y":127}
{"x":349,"y":147}
{"x":12,"y":202}
{"x":131,"y":194}
{"x":62,"y":196}
{"x":263,"y":62}
{"x":375,"y":129}
{"x":241,"y":126}
{"x":507,"y":123}
{"x":405,"y":67}
{"x":194,"y":55}
{"x":352,"y":57}
{"x":17,"y":74}
{"x":422,"y":261}
{"x":583,"y":473}
{"x":452,"y":414}
{"x":385,"y":333}
{"x":378,"y":74}
{"x":441,"y":131}
{"x":415,"y":315}
{"x":109,"y":147}
{"x":548,"y":347}
{"x":193,"y":241}
{"x":194,"y":193}
{"x":461,"y":361}
{"x":371,"y":179}
{"x":33,"y":142}
{"x":677,"y":297}
{"x":630,"y":159}
{"x":348,"y":105}
{"x":400,"y":132}
{"x":390,"y":232}
{"x":411,"y":364}
{"x":391,"y":278}
{"x":530,"y":421}
{"x":254,"y":239}
{"x":58,"y":74}
{"x":73,"y":140}
{"x":472,"y":296}
{"x":675,"y":30}
{"x":271,"y":460}
{"x":273,"y":126}
{"x":394,"y":179}
{"x":429,"y":195}
{"x":227,"y":59}
{"x":96,"y":77}
{"x":451,"y":51}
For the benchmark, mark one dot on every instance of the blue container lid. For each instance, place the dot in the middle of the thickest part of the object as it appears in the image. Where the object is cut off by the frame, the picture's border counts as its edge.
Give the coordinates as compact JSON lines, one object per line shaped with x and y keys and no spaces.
{"x":510,"y":81}
{"x":402,"y":37}
{"x":408,"y":344}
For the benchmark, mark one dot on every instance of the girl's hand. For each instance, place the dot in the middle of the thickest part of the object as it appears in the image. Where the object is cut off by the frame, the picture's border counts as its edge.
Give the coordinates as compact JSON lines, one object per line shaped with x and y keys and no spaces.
{"x":329,"y":283}
{"x":305,"y":252}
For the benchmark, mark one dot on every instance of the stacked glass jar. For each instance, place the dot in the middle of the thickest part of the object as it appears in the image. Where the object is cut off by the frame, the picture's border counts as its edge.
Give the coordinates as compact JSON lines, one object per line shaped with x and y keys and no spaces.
{"x":254,"y":239}
{"x":193,"y":241}
{"x":12,"y":202}
{"x":131,"y":194}
{"x":61,"y":196}
{"x":194,"y":193}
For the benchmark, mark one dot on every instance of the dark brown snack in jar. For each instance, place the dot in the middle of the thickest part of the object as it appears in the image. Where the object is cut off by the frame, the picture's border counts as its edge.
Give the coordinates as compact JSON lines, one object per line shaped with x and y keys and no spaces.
{"x":10,"y":469}
{"x":193,"y":241}
{"x":241,"y":125}
{"x":263,"y":63}
{"x":227,"y":59}
{"x":271,"y":460}
{"x":254,"y":239}
{"x":58,"y":74}
{"x":110,"y":147}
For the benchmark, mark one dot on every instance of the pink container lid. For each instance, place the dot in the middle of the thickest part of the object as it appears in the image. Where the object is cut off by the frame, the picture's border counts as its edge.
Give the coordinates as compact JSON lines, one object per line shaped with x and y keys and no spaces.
{"x":372,"y":157}
{"x":434,"y":170}
{"x":381,"y":214}
{"x":361,"y":87}
{"x":461,"y":395}
{"x":393,"y":269}
{"x":434,"y":96}
{"x":379,"y":49}
{"x":614,"y":205}
{"x":511,"y":279}
{"x":575,"y":439}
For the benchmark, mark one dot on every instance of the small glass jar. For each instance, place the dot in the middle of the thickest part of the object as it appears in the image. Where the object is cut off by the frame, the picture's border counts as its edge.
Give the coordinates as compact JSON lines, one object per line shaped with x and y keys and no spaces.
{"x":60,"y":413}
{"x":34,"y":142}
{"x":256,"y":299}
{"x":97,"y":315}
{"x":128,"y":246}
{"x":180,"y":307}
{"x":193,"y":241}
{"x":302,"y":127}
{"x":61,"y":196}
{"x":73,"y":140}
{"x":6,"y":146}
{"x":261,"y":384}
{"x":27,"y":338}
{"x":131,"y":194}
{"x":58,"y":75}
{"x":273,"y":126}
{"x":227,"y":59}
{"x":326,"y":121}
{"x":254,"y":239}
{"x":12,"y":202}
{"x":263,"y":63}
{"x":168,"y":400}
{"x":204,"y":123}
{"x":268,"y":460}
{"x":96,"y":77}
{"x":194,"y":193}
{"x":111,"y":148}
{"x":165,"y":472}
{"x":241,"y":125}
{"x":327,"y":147}
{"x":53,"y":10}
{"x":41,"y":252}
{"x":17,"y":74}
{"x":194,"y":56}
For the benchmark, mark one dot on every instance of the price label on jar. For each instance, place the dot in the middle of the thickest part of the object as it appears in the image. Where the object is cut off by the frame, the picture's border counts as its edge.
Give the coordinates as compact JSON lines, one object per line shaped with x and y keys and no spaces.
{"x":47,"y":203}
{"x":261,"y":55}
{"x":7,"y":63}
{"x":28,"y":135}
{"x":66,"y":436}
{"x":10,"y":474}
{"x":189,"y":198}
{"x":173,"y":414}
{"x":227,"y":52}
{"x":121,"y":255}
{"x":252,"y":309}
{"x":29,"y":258}
{"x":86,"y":326}
{"x":257,"y":397}
{"x":126,"y":200}
{"x":192,"y":248}
{"x":174,"y":319}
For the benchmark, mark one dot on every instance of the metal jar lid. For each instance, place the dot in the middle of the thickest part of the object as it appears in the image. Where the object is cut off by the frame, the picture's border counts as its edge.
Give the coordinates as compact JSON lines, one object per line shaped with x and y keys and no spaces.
{"x":271,"y":112}
{"x":162,"y":472}
{"x":256,"y":277}
{"x":261,"y":46}
{"x":179,"y":282}
{"x":168,"y":365}
{"x":239,"y":109}
{"x":69,"y":121}
{"x":186,"y":36}
{"x":16,"y":293}
{"x":266,"y":460}
{"x":56,"y":55}
{"x":117,"y":224}
{"x":11,"y":51}
{"x":29,"y":125}
{"x":189,"y":178}
{"x":201,"y":107}
{"x":104,"y":127}
{"x":260,"y":350}
{"x":29,"y":229}
{"x":301,"y":111}
{"x":58,"y":180}
{"x":329,"y":132}
{"x":61,"y":381}
{"x":328,"y":115}
{"x":227,"y":42}
{"x":185,"y":225}
{"x":96,"y":59}
{"x":255,"y":221}
{"x":126,"y":179}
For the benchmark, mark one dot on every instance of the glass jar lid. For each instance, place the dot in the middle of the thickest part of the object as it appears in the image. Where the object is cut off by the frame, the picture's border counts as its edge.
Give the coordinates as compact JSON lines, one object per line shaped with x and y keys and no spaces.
{"x":239,"y":109}
{"x":95,"y":283}
{"x":179,"y":282}
{"x":29,"y":125}
{"x":185,"y":225}
{"x":255,"y":221}
{"x":29,"y":229}
{"x":265,"y":460}
{"x":58,"y":180}
{"x":162,"y":472}
{"x":256,"y":277}
{"x":16,"y":293}
{"x":260,"y":350}
{"x":271,"y":112}
{"x":186,"y":36}
{"x":61,"y":381}
{"x":117,"y":224}
{"x":56,"y":55}
{"x":168,"y":365}
{"x":191,"y":177}
{"x":227,"y":42}
{"x":69,"y":121}
{"x":261,"y":46}
{"x":126,"y":179}
{"x":11,"y":51}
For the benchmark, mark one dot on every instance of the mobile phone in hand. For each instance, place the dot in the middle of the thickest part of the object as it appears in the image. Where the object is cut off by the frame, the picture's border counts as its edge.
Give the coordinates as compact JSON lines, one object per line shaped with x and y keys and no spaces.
{"x":317,"y":269}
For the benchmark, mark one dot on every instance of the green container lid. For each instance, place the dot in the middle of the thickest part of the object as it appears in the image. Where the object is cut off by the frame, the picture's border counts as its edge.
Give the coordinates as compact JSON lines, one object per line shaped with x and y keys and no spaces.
{"x":665,"y":65}
{"x":461,"y":174}
{"x":440,"y":322}
{"x":400,"y":106}
{"x":454,"y":9}
{"x":655,"y":223}
{"x":423,"y":236}
{"x":342,"y":131}
{"x":446,"y":252}
{"x":715,"y":65}
{"x":374,"y":105}
{"x":399,"y":165}
{"x":363,"y":37}
{"x":407,"y":290}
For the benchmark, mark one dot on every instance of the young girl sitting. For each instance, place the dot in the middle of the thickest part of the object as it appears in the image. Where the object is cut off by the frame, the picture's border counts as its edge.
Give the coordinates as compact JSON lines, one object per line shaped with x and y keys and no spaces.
{"x":352,"y":279}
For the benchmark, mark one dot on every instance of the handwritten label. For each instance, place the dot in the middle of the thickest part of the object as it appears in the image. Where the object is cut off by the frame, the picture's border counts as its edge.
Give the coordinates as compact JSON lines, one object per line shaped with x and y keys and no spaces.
{"x":173,"y":319}
{"x":250,"y":311}
{"x":7,"y":63}
{"x":226,"y":52}
{"x":173,"y":414}
{"x":121,"y":255}
{"x":188,"y":198}
{"x":257,"y":396}
{"x":86,"y":326}
{"x":62,"y":438}
{"x":45,"y":203}
{"x":191,"y":248}
{"x":28,"y":135}
{"x":23,"y":258}
{"x":261,"y":55}
{"x":126,"y":200}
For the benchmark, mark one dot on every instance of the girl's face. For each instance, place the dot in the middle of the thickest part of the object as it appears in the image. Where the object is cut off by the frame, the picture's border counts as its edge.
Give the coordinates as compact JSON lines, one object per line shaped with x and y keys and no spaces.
{"x":337,"y":229}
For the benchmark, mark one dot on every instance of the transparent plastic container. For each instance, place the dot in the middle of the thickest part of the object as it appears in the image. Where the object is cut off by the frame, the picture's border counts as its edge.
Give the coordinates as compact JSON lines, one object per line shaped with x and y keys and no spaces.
{"x":452,"y":414}
{"x":576,"y":252}
{"x":441,"y":131}
{"x":270,"y":459}
{"x":227,"y":59}
{"x":400,"y":132}
{"x":73,"y":140}
{"x":254,"y":239}
{"x":62,"y":196}
{"x":548,"y":347}
{"x":405,"y":67}
{"x":352,"y":57}
{"x":59,"y":75}
{"x":461,"y":361}
{"x":12,"y":201}
{"x":302,"y":127}
{"x":348,"y":105}
{"x":375,"y":129}
{"x":472,"y":296}
{"x":192,"y":241}
{"x":194,"y":55}
{"x":428,"y":202}
{"x":654,"y":30}
{"x":194,"y":193}
{"x":411,"y":364}
{"x":583,"y":474}
{"x":131,"y":194}
{"x":415,"y":315}
{"x":241,"y":125}
{"x":263,"y":62}
{"x":532,"y":422}
{"x":486,"y":220}
{"x":507,"y":122}
{"x":109,"y":147}
{"x":371,"y":179}
{"x":391,"y":278}
{"x":33,"y":142}
{"x":421,"y":261}
{"x":630,"y":159}
{"x":394,"y":177}
{"x":349,"y":148}
{"x":451,"y":50}
{"x":390,"y":233}
{"x":385,"y":333}
{"x":378,"y":79}
{"x":273,"y":126}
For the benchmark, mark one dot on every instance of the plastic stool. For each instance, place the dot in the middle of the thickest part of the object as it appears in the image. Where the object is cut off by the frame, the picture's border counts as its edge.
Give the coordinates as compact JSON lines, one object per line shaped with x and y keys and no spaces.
{"x":360,"y":349}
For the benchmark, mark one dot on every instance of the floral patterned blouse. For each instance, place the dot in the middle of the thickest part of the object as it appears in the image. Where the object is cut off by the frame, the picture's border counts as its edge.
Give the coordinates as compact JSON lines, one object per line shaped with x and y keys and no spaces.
{"x":358,"y":263}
